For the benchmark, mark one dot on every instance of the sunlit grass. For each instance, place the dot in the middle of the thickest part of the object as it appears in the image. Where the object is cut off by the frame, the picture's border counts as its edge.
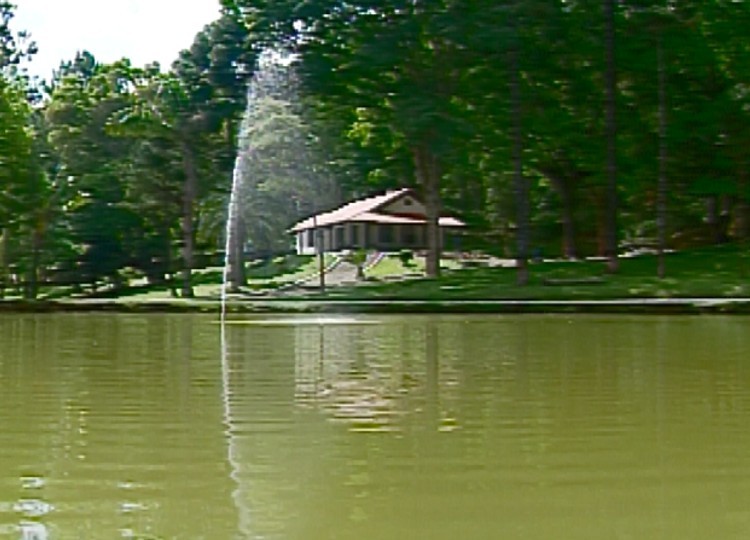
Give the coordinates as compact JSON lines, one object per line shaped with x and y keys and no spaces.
{"x":393,"y":266}
{"x":717,"y":272}
{"x":390,"y":265}
{"x":712,"y":272}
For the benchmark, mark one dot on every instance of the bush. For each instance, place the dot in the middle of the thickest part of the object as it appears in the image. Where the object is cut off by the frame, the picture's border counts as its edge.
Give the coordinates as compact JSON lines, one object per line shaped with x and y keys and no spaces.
{"x":407,"y":257}
{"x":358,"y":258}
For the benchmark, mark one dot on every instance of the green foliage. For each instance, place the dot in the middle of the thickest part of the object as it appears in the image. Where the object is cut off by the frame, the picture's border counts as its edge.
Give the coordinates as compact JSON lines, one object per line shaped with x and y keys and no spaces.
{"x":357,"y":257}
{"x":278,"y":266}
{"x":130,"y":167}
{"x":15,"y":151}
{"x":23,"y":190}
{"x":282,"y":177}
{"x":712,"y":272}
{"x":407,"y":257}
{"x":386,"y":77}
{"x":15,"y":47}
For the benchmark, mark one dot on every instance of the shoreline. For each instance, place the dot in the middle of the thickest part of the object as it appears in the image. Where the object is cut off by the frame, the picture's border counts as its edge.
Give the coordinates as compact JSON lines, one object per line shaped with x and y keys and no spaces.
{"x":638,"y":306}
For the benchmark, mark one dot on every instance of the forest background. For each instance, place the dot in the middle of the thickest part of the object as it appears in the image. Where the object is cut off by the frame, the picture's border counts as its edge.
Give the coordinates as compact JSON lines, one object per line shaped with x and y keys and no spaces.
{"x":565,"y":128}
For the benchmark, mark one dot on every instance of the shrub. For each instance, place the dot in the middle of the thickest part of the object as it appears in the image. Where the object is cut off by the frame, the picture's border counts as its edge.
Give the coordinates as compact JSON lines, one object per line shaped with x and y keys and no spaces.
{"x":358,"y":258}
{"x":407,"y":257}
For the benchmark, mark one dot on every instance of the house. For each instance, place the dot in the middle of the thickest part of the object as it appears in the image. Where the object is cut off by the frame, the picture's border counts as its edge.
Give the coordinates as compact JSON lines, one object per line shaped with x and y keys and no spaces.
{"x":389,"y":222}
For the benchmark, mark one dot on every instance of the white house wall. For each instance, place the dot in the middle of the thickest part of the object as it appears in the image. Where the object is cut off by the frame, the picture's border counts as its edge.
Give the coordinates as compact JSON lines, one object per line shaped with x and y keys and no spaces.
{"x":303,"y":246}
{"x":356,"y":235}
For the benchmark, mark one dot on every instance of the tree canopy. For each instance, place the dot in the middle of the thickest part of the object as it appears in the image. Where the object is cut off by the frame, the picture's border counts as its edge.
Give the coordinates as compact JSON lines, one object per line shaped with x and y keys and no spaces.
{"x":564,"y":129}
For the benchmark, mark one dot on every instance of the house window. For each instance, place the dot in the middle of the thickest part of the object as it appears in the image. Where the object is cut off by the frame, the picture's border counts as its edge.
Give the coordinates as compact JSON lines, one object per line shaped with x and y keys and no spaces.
{"x":409,"y":235}
{"x":385,"y":234}
{"x":355,"y":236}
{"x":408,"y":202}
{"x":310,"y":240}
{"x":339,"y":237}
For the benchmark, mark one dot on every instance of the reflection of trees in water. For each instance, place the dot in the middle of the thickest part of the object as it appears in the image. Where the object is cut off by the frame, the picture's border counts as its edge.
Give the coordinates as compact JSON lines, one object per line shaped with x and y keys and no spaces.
{"x":532,"y":396}
{"x":373,"y":376}
{"x":98,"y":414}
{"x":288,"y":464}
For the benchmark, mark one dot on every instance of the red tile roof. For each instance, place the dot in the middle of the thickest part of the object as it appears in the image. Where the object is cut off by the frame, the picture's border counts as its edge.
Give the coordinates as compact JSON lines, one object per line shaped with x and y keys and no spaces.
{"x":366,"y":210}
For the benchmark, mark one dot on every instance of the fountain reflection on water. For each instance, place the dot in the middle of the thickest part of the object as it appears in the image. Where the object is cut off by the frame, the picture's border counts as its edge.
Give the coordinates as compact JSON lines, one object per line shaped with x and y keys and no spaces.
{"x":264,"y":83}
{"x":272,"y":146}
{"x":636,"y":426}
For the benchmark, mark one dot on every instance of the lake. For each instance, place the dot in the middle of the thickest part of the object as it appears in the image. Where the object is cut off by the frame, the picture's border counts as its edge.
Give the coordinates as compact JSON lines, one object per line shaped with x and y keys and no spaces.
{"x":374,"y":427}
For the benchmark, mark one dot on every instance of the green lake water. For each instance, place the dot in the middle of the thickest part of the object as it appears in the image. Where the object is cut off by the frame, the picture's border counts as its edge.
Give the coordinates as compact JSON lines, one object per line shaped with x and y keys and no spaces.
{"x":369,"y":427}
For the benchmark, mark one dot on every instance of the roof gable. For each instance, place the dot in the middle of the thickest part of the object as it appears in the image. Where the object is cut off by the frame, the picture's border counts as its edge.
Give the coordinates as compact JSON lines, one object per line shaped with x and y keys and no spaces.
{"x":350,"y":211}
{"x":399,"y":206}
{"x":405,"y":204}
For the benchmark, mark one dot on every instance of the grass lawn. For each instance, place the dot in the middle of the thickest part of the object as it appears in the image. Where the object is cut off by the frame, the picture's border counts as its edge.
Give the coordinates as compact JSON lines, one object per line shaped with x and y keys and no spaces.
{"x":716,"y":272}
{"x":721,"y":272}
{"x":391,"y":266}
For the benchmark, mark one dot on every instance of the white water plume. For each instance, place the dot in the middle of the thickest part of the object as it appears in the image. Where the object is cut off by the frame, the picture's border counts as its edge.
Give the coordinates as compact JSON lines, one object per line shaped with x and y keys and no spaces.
{"x":276,"y":177}
{"x":270,"y":147}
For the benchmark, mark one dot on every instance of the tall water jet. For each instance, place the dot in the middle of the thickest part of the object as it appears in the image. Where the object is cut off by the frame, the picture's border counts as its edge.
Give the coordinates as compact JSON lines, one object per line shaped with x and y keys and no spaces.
{"x":233,"y":277}
{"x":273,"y":157}
{"x":263,"y":84}
{"x":276,"y":177}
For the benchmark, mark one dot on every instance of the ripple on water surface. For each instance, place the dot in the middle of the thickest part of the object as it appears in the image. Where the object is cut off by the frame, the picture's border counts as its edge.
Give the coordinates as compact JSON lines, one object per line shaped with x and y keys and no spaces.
{"x":300,"y":321}
{"x":426,"y":427}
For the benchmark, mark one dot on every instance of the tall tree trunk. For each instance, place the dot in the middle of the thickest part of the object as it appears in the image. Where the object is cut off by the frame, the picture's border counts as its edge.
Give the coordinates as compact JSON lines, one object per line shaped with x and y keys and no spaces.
{"x":611,"y":130}
{"x":4,"y":262}
{"x":564,"y":187}
{"x":428,"y":175}
{"x":188,"y":205}
{"x":568,"y":223}
{"x":521,"y":187}
{"x":32,"y":281}
{"x":601,"y":234}
{"x":718,"y":218}
{"x":741,"y":216}
{"x":661,"y":191}
{"x":742,"y":219}
{"x":235,"y":263}
{"x":168,"y":262}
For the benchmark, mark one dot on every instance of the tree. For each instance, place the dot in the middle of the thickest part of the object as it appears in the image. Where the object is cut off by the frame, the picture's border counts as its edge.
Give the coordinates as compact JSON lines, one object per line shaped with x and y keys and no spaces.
{"x":20,"y":179}
{"x":194,"y":110}
{"x":722,"y":27}
{"x":92,"y":166}
{"x":395,"y":63}
{"x":202,"y":98}
{"x":17,"y":171}
{"x":279,"y":175}
{"x":520,"y":183}
{"x":14,"y":46}
{"x":661,"y":204}
{"x":610,"y":105}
